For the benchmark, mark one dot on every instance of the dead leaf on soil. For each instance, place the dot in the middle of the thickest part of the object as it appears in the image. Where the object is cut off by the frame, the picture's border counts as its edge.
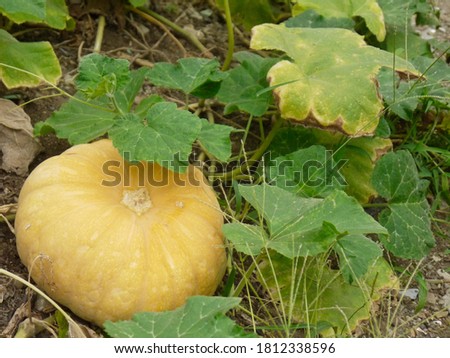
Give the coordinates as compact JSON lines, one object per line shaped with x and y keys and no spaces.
{"x":17,"y":144}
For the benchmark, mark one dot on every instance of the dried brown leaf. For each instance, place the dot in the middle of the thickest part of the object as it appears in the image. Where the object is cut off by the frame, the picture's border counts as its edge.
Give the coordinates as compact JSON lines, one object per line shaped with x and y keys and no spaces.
{"x":17,"y":143}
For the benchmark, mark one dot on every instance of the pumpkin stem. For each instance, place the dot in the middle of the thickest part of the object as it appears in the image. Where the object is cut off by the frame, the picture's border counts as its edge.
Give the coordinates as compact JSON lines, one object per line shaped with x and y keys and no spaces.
{"x":137,"y":200}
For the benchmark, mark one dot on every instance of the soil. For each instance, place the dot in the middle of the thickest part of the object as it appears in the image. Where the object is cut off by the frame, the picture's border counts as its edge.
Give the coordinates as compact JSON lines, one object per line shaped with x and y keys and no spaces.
{"x":143,"y":43}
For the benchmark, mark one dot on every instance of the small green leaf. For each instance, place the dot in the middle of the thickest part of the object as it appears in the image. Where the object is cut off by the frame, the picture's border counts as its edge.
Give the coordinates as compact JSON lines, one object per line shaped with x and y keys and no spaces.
{"x":357,"y":254}
{"x":27,"y":64}
{"x":248,"y":239}
{"x":309,"y":172}
{"x":196,"y":76}
{"x":215,"y":138}
{"x":79,"y":121}
{"x":200,"y":317}
{"x":336,"y":92}
{"x":125,"y":95}
{"x":407,"y":217}
{"x":100,"y":75}
{"x":165,"y":135}
{"x":369,"y":10}
{"x":241,"y":90}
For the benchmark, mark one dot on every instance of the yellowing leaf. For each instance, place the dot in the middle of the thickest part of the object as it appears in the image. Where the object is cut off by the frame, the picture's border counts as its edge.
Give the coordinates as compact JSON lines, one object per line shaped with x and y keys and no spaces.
{"x":330,"y":80}
{"x":315,"y":293}
{"x":369,"y":10}
{"x":26,"y":64}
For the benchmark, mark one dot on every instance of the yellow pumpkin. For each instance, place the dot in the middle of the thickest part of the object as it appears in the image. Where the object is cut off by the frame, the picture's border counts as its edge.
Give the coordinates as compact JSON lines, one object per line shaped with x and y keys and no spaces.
{"x":107,"y":238}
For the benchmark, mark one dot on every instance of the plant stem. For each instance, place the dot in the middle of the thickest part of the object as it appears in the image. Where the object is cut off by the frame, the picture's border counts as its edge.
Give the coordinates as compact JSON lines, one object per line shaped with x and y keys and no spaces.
{"x":99,"y":35}
{"x":230,"y":31}
{"x":187,"y":35}
{"x":246,"y":276}
{"x":257,"y":155}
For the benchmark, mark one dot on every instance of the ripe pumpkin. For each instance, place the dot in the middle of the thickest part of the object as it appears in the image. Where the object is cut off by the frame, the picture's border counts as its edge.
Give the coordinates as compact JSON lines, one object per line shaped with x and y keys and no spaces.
{"x":108,"y":248}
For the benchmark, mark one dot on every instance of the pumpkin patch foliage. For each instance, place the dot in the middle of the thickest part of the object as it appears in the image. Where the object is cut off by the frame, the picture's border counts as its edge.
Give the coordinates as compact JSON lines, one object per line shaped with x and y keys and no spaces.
{"x":306,"y":187}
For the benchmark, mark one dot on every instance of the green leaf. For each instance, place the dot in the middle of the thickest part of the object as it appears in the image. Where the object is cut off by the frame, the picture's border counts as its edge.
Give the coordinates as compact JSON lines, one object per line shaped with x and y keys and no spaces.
{"x":409,"y":227}
{"x":369,"y":10}
{"x":53,"y":13}
{"x":215,"y":138}
{"x":301,"y":241}
{"x":57,"y":15}
{"x":249,"y":239}
{"x":27,"y":64}
{"x":197,"y":76}
{"x":21,"y":11}
{"x":396,"y":178}
{"x":354,"y":157}
{"x":357,"y":254}
{"x":200,"y":317}
{"x":398,"y":13}
{"x":407,"y":217}
{"x":242,"y":89}
{"x":336,"y":92}
{"x":305,"y":226}
{"x":309,"y":172}
{"x":250,"y":12}
{"x":165,"y":136}
{"x":79,"y":121}
{"x":100,"y":75}
{"x":144,"y":106}
{"x":125,"y":95}
{"x":313,"y":293}
{"x":310,"y":18}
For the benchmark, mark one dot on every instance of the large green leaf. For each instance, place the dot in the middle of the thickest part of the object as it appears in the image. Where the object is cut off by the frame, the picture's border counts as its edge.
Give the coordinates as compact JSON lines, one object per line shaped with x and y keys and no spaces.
{"x":354,"y":158}
{"x":200,"y":317}
{"x":79,"y":121}
{"x":27,"y":64}
{"x":369,"y":10}
{"x":197,"y":76}
{"x":312,"y":292}
{"x":330,"y":80}
{"x":244,"y":87}
{"x":165,"y":136}
{"x":300,"y":226}
{"x":407,"y":217}
{"x":53,"y":13}
{"x":20,"y":11}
